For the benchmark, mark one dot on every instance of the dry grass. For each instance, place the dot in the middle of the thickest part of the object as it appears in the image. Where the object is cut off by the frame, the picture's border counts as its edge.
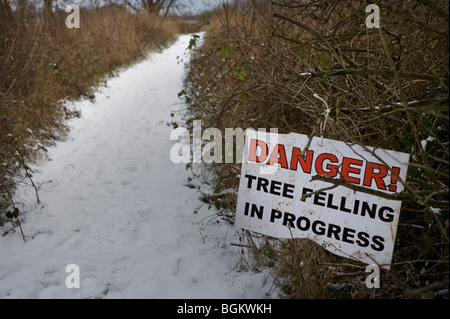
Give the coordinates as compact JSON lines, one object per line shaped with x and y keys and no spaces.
{"x":42,"y":62}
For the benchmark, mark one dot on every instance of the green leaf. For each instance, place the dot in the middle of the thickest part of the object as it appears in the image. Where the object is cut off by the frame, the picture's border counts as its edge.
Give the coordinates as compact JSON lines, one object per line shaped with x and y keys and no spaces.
{"x":428,"y":216}
{"x":415,"y":172}
{"x":445,"y":253}
{"x":430,"y":295}
{"x":244,"y":95}
{"x":240,"y":73}
{"x":226,"y":49}
{"x":193,"y":41}
{"x":301,"y":50}
{"x":423,"y":247}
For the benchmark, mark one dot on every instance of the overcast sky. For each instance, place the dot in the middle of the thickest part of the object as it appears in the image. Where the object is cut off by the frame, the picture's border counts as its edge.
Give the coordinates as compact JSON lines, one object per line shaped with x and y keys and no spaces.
{"x":194,"y":6}
{"x":201,"y":5}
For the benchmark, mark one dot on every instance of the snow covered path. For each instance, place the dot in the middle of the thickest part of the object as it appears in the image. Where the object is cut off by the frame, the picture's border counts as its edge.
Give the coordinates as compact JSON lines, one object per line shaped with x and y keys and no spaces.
{"x":114,"y":204}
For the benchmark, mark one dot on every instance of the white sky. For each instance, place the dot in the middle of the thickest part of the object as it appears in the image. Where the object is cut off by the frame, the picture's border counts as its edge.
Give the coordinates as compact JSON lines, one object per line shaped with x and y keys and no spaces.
{"x":195,"y":6}
{"x":199,"y":5}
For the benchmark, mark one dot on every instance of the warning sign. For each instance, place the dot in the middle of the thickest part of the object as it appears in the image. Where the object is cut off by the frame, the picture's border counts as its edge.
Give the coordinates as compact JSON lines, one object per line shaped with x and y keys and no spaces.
{"x":289,"y":190}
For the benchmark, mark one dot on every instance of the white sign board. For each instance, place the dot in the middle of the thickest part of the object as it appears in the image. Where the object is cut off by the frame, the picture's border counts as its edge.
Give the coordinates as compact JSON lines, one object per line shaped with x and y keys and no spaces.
{"x":276,"y":180}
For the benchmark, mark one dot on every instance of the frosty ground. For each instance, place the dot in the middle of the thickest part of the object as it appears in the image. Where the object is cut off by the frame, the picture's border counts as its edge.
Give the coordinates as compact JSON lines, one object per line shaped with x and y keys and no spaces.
{"x":114,"y":204}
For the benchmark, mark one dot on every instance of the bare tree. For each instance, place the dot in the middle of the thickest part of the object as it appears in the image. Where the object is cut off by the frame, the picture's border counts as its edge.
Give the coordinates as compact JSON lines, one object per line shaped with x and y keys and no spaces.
{"x":160,"y":7}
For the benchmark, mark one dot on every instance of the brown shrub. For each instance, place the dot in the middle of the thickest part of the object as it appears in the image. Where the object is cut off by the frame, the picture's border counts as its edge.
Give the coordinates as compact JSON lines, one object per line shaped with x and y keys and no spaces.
{"x":43,"y":62}
{"x":386,"y":88}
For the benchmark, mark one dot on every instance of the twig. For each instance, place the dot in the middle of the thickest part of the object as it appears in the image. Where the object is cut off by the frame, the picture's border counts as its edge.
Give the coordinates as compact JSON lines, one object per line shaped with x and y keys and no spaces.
{"x":15,"y":212}
{"x":419,"y":291}
{"x":382,"y":73}
{"x":240,"y":245}
{"x":338,"y":54}
{"x":27,"y":174}
{"x":20,"y":226}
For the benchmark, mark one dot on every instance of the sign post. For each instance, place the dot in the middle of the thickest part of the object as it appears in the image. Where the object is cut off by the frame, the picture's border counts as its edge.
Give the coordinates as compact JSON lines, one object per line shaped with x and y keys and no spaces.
{"x":304,"y":194}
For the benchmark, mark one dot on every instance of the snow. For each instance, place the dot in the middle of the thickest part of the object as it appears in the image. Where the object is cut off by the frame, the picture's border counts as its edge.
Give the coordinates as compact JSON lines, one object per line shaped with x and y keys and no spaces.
{"x":114,"y":204}
{"x":424,"y":142}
